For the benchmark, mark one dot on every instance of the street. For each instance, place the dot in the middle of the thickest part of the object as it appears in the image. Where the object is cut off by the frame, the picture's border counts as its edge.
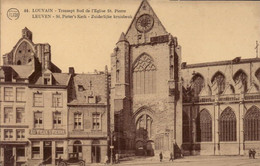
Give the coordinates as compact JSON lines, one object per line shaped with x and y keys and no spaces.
{"x":194,"y":161}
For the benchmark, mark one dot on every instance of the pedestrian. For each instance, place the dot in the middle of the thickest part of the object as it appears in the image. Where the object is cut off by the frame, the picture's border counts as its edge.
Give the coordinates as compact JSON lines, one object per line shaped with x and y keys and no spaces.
{"x":253,"y":153}
{"x":161,"y":156}
{"x":117,"y":158}
{"x":171,"y":157}
{"x":106,"y":160}
{"x":250,"y":153}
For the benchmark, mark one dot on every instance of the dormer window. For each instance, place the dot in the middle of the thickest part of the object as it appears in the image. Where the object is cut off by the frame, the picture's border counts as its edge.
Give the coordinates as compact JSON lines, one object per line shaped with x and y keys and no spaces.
{"x":92,"y":99}
{"x":81,"y":88}
{"x":47,"y":79}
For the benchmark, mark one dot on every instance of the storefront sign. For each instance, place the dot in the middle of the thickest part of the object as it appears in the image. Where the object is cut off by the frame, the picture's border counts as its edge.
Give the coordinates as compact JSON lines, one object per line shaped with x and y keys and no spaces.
{"x":47,"y":132}
{"x":89,"y":134}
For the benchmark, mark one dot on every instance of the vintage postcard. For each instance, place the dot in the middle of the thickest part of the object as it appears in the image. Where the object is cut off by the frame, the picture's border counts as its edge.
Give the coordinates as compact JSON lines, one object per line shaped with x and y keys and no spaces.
{"x":136,"y":82}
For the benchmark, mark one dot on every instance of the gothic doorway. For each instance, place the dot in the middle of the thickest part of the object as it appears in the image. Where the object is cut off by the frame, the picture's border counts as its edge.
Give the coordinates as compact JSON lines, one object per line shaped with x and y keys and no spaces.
{"x":95,"y":152}
{"x":144,"y":142}
{"x":8,"y":156}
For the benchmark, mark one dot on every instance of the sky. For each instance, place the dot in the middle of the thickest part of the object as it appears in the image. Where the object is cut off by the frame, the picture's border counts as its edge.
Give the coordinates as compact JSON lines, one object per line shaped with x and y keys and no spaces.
{"x":207,"y":31}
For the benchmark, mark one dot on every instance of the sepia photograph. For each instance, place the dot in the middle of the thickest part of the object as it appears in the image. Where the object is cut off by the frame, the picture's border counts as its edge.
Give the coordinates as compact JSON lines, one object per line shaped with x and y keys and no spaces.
{"x":141,"y":82}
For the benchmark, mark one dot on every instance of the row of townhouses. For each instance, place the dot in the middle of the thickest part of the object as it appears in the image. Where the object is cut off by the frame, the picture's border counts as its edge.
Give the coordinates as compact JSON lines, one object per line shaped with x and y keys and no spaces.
{"x":46,"y":114}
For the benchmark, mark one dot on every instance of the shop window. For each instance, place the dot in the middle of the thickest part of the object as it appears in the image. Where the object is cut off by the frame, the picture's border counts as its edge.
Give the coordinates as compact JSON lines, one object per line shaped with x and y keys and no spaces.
{"x":20,"y":134}
{"x":36,"y":149}
{"x":96,"y":121}
{"x":38,"y":99}
{"x":59,"y":149}
{"x":77,"y":147}
{"x":8,"y":94}
{"x":78,"y":120}
{"x":57,"y":100}
{"x":20,"y":94}
{"x":8,"y":134}
{"x":252,"y":124}
{"x":38,"y":120}
{"x":20,"y":115}
{"x":57,"y":119}
{"x":20,"y":151}
{"x":8,"y":115}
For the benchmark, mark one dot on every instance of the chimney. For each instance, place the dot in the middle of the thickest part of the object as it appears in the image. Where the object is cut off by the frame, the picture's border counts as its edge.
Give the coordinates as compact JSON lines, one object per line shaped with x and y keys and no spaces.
{"x":71,"y":70}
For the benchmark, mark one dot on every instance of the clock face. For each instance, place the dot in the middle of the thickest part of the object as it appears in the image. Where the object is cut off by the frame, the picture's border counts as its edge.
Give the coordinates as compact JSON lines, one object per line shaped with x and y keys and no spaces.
{"x":144,"y":23}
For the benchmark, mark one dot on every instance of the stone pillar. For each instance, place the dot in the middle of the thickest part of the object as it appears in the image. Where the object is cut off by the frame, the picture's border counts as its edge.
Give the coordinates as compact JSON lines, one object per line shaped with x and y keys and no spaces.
{"x":53,"y":150}
{"x":41,"y":149}
{"x":241,"y":127}
{"x":216,"y":134}
{"x":66,"y":149}
{"x":193,"y":135}
{"x":1,"y":154}
{"x":14,"y":154}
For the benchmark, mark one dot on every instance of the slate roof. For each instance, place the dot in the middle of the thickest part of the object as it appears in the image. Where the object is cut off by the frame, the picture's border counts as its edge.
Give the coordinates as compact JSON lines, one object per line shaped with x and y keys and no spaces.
{"x":85,"y":85}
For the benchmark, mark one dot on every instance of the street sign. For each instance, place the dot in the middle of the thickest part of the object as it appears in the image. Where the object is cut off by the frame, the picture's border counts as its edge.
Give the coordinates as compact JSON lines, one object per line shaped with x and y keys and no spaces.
{"x":111,"y":147}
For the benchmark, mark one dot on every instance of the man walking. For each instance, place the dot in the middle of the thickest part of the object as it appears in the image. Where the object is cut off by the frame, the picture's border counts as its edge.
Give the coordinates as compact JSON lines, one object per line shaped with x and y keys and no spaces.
{"x":161,"y":156}
{"x":171,"y":157}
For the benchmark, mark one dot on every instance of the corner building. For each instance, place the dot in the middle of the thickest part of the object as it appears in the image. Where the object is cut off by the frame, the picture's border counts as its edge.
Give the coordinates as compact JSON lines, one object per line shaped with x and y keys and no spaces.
{"x":145,"y":87}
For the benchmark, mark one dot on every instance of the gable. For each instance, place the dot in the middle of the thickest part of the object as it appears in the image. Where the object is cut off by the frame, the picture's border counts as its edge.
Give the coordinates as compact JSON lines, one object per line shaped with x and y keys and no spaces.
{"x":144,"y":25}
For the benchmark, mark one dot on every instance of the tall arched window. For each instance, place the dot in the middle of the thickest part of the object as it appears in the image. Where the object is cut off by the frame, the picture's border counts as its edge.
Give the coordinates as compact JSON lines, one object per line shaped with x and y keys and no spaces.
{"x":204,"y":127}
{"x":240,"y":77}
{"x":197,"y":84}
{"x":257,"y":74}
{"x":144,"y":75}
{"x":219,"y":80}
{"x":252,"y":124}
{"x":227,"y":125}
{"x":185,"y":128}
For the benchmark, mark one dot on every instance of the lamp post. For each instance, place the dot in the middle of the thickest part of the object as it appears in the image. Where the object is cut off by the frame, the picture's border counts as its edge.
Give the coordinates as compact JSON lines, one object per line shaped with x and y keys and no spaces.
{"x":112,"y":138}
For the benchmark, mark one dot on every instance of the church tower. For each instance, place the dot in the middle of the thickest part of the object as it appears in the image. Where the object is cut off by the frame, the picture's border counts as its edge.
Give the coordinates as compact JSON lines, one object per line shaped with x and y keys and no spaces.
{"x":146,"y":87}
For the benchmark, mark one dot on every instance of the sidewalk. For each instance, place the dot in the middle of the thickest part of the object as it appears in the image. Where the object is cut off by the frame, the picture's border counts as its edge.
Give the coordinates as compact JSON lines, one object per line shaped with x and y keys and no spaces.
{"x":155,"y":159}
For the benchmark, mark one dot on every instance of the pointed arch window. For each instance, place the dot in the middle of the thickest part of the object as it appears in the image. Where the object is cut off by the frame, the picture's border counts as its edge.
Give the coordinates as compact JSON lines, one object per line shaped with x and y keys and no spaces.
{"x":241,"y":78}
{"x":185,"y":128}
{"x":197,"y":84}
{"x":257,"y":74}
{"x":227,"y":125}
{"x":252,"y":124}
{"x":219,"y":80}
{"x":144,"y":75}
{"x":204,"y":127}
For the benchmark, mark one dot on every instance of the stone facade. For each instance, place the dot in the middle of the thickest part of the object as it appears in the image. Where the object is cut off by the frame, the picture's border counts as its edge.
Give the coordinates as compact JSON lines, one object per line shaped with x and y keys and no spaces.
{"x":240,"y":94}
{"x":145,"y":87}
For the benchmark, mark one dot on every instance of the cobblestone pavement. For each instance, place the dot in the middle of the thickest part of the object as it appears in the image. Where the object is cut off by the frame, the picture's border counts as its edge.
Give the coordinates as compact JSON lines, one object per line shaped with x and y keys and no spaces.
{"x":193,"y":161}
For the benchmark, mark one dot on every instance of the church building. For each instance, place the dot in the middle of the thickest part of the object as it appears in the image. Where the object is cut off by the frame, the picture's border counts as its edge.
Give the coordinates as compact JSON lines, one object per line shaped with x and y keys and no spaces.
{"x":146,"y":87}
{"x":163,"y":105}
